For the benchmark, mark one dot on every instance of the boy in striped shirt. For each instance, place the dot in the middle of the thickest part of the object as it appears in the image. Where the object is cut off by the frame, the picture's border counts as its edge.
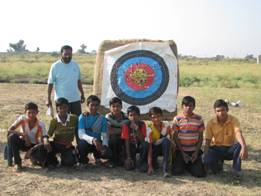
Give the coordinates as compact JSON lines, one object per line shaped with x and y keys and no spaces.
{"x":188,"y":134}
{"x":116,"y":118}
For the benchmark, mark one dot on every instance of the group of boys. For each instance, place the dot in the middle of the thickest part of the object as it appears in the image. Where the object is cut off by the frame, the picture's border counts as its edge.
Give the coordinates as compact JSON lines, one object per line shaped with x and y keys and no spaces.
{"x":119,"y":138}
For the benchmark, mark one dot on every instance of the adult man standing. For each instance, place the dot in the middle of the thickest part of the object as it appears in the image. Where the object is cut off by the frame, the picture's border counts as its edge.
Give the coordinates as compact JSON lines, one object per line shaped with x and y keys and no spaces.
{"x":65,"y":77}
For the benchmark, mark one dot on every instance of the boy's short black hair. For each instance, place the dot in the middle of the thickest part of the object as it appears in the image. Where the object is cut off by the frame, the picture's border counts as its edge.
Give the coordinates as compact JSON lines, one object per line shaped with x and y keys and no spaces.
{"x":93,"y":98}
{"x":187,"y":100}
{"x":115,"y":100}
{"x":60,"y":101}
{"x":66,"y":47}
{"x":220,"y":103}
{"x":133,"y":108}
{"x":31,"y":106}
{"x":155,"y":110}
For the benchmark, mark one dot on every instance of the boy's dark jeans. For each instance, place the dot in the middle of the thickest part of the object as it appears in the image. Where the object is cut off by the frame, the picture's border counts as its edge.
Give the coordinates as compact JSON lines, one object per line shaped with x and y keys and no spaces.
{"x":84,"y":149}
{"x":161,"y":149}
{"x":217,"y":155}
{"x":142,"y":148}
{"x":15,"y":144}
{"x":116,"y":145}
{"x":8,"y":155}
{"x":75,"y":108}
{"x":196,"y":168}
{"x":68,"y":155}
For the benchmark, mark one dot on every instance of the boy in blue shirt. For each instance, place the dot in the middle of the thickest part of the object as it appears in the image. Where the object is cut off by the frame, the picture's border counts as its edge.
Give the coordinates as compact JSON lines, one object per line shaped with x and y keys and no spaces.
{"x":92,"y":132}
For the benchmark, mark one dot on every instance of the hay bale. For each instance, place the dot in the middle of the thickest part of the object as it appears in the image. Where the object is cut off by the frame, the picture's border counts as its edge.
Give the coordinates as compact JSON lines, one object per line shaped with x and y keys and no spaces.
{"x":98,"y":69}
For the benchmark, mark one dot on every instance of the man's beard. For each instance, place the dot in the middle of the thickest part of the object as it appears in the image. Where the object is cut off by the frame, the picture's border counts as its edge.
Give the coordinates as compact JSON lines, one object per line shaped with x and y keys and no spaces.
{"x":67,"y":59}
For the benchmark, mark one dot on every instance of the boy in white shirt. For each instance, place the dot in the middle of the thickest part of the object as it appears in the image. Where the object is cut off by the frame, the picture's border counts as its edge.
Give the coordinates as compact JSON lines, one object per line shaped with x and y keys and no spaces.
{"x":31,"y":132}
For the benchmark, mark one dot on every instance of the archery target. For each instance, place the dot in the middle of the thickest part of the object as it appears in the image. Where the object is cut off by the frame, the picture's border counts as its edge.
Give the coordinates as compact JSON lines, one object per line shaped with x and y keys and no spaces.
{"x":139,"y":77}
{"x":143,"y":74}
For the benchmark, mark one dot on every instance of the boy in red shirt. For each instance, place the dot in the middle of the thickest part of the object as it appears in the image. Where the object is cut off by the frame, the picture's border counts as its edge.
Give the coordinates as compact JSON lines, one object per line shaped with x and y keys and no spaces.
{"x":134,"y":133}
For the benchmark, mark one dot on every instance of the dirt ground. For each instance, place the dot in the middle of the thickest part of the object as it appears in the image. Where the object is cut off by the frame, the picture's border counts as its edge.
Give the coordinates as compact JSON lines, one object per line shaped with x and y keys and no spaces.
{"x":98,"y":180}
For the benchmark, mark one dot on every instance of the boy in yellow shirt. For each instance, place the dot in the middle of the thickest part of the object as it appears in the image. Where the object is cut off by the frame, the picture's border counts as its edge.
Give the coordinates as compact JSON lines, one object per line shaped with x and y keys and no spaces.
{"x":224,"y":140}
{"x":158,"y":136}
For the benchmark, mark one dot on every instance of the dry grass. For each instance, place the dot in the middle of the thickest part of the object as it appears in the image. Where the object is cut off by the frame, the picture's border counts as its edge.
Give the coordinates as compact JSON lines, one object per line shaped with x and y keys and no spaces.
{"x":103,"y":181}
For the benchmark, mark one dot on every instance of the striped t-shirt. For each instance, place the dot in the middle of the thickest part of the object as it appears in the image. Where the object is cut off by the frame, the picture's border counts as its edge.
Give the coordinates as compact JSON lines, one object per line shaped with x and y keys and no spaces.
{"x":63,"y":132}
{"x":188,"y":129}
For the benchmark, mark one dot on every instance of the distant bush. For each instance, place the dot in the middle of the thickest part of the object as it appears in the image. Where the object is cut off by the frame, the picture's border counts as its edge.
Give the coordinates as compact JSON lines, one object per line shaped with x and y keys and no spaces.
{"x":190,"y":81}
{"x":55,"y":54}
{"x":219,"y":81}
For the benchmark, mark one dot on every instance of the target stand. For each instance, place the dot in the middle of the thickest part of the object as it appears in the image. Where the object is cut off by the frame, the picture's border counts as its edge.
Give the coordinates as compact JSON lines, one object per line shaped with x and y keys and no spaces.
{"x":140,"y":72}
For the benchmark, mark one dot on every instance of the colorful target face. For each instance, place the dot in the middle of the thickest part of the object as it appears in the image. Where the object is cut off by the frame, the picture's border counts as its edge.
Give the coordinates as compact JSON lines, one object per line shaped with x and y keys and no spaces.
{"x":139,"y":77}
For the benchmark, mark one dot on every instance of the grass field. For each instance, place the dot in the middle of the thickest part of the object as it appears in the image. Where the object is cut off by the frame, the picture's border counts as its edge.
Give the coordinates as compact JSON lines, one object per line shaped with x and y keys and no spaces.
{"x":229,"y":73}
{"x":34,"y":67}
{"x":233,"y":73}
{"x":103,"y":181}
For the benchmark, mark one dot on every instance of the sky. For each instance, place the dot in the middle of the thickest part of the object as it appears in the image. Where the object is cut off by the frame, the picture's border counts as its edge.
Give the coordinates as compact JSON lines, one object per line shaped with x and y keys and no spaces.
{"x":201,"y":28}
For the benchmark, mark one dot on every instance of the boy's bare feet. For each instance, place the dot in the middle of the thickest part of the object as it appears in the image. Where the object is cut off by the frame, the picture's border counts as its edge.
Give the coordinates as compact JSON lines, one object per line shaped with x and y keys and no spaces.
{"x":18,"y":167}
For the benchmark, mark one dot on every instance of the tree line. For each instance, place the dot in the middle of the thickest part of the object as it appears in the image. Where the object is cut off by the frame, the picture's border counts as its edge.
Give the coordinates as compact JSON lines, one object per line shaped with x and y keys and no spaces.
{"x":20,"y":46}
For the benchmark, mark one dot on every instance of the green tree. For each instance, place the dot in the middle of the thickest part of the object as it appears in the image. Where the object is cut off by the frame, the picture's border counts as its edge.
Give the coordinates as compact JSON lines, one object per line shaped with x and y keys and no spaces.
{"x":82,"y":49}
{"x":18,"y":47}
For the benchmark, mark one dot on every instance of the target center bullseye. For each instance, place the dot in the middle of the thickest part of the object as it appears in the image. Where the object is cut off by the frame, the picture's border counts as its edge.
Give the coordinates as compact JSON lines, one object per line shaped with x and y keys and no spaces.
{"x":139,"y":76}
